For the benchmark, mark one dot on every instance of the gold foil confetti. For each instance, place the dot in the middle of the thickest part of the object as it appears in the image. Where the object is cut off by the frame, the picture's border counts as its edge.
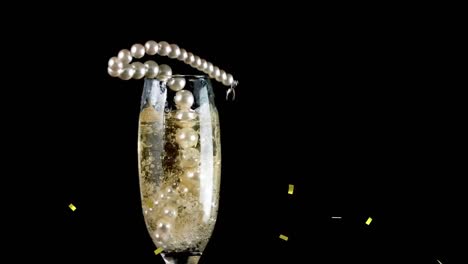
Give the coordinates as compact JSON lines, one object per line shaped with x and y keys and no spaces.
{"x":158,"y":250}
{"x":72,"y":207}
{"x":285,"y":238}
{"x":291,"y":189}
{"x":369,"y":220}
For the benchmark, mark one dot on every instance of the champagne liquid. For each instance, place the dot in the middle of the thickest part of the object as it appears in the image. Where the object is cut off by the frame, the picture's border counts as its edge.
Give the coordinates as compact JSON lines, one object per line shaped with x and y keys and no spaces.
{"x":179,"y":185}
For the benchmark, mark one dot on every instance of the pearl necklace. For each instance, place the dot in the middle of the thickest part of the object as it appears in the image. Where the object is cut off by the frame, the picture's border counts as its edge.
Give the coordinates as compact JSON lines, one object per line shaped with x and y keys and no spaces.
{"x":123,"y":67}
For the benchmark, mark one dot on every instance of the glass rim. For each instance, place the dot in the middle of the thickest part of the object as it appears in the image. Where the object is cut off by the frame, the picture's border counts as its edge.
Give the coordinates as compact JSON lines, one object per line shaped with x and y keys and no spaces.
{"x":191,"y":76}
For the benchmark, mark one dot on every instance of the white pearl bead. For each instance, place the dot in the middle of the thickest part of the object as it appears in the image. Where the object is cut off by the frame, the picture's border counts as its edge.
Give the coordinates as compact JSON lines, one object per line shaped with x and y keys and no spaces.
{"x":186,"y":186}
{"x":164,"y":225}
{"x":152,"y":69}
{"x":184,"y":99}
{"x":161,"y":237}
{"x":183,"y":188}
{"x":222,"y":76}
{"x":229,"y":80}
{"x":127,"y":72}
{"x":216,"y":72}
{"x":185,"y":115}
{"x":115,"y":64}
{"x":125,"y":56}
{"x":140,"y":70}
{"x":204,"y":65}
{"x":192,"y":174}
{"x":164,"y":196}
{"x":190,"y":58}
{"x":165,"y":72}
{"x":151,"y":47}
{"x":113,"y":73}
{"x":186,"y":137}
{"x":210,"y":68}
{"x":183,"y":55}
{"x":164,"y":48}
{"x":137,"y":50}
{"x":169,"y":191}
{"x":170,"y":211}
{"x":189,"y":158}
{"x":175,"y":51}
{"x":176,"y":84}
{"x":185,"y":118}
{"x":197,"y":63}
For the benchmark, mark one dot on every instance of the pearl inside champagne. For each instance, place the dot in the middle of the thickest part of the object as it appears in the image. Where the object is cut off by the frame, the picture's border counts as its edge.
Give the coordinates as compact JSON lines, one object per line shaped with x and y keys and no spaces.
{"x":180,"y":167}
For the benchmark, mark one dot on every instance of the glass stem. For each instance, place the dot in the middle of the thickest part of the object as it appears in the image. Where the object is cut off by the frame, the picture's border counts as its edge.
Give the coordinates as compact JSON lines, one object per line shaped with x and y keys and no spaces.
{"x":181,"y":259}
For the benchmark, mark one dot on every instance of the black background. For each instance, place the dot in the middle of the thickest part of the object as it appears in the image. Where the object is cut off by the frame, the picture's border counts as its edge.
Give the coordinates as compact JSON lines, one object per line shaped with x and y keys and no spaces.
{"x":350,"y":111}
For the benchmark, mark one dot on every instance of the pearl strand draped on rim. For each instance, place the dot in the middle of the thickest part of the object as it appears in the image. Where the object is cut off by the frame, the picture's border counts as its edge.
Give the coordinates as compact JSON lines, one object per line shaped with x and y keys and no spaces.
{"x":122,"y":66}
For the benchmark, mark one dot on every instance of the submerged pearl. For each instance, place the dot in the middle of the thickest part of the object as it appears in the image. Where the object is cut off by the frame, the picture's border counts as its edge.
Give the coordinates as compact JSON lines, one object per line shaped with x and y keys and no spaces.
{"x":189,"y":158}
{"x":186,"y":137}
{"x":137,"y":50}
{"x":192,"y":174}
{"x":165,"y":72}
{"x":175,"y":51}
{"x":115,"y":64}
{"x":125,"y":56}
{"x":164,"y":225}
{"x":183,"y":188}
{"x":184,"y":99}
{"x":140,"y":70}
{"x":156,"y":203}
{"x":161,"y":237}
{"x":183,"y":55}
{"x":127,"y":72}
{"x":176,"y":84}
{"x":152,"y":69}
{"x":151,"y":47}
{"x":164,"y":48}
{"x":185,"y":115}
{"x":169,"y":192}
{"x":188,"y":185}
{"x":170,"y":211}
{"x":185,"y":118}
{"x":166,"y":194}
{"x":163,"y":230}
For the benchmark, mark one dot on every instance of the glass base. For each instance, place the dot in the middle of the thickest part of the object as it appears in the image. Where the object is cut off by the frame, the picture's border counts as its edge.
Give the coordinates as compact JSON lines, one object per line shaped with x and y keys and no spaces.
{"x":181,"y":258}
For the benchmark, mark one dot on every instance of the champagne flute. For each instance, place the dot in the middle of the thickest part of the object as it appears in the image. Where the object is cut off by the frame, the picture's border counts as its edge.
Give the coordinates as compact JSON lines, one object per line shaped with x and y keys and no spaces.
{"x":179,"y":165}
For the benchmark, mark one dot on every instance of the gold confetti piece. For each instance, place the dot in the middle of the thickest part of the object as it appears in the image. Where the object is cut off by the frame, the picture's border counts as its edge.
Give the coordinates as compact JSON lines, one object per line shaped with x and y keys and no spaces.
{"x":369,"y":221}
{"x":285,"y":238}
{"x":72,"y":207}
{"x":157,"y":251}
{"x":291,"y":189}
